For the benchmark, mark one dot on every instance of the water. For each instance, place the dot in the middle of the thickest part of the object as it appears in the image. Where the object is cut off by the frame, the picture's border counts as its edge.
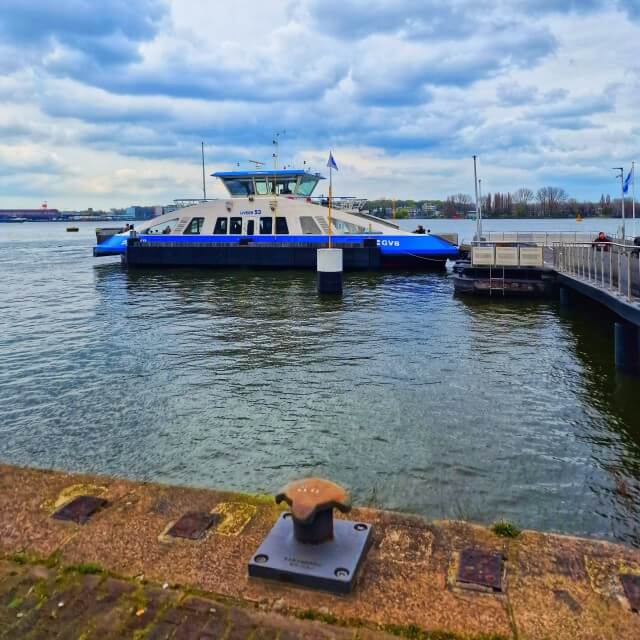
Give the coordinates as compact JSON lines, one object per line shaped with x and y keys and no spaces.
{"x":413,"y":398}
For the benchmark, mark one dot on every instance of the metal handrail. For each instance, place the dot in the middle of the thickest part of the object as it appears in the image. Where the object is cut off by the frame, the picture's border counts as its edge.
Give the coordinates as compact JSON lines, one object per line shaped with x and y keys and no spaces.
{"x":580,"y":259}
{"x":541,"y":238}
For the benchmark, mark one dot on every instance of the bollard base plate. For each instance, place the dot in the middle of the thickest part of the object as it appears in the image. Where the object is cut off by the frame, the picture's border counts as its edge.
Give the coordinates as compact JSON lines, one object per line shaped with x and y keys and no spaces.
{"x":330,"y":566}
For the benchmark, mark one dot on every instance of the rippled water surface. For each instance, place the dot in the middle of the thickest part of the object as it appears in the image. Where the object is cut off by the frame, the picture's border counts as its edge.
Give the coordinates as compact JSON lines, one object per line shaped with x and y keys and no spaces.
{"x":413,"y":398}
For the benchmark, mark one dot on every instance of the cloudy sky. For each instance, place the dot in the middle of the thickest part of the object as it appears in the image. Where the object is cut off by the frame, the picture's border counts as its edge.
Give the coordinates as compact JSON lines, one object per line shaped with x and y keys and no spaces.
{"x":105,"y":104}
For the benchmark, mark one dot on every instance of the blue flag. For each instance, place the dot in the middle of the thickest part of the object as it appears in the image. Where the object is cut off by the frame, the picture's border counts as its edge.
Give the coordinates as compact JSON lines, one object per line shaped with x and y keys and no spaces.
{"x":331,"y":163}
{"x":625,"y":186}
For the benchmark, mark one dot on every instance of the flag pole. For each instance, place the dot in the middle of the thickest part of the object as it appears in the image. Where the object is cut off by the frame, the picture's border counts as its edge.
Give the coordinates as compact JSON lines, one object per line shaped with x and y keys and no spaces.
{"x":633,"y":195}
{"x":330,"y":195}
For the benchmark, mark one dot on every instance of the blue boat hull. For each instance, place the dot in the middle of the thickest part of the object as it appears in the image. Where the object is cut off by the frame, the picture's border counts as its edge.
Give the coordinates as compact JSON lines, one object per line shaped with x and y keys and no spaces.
{"x":398,"y":250}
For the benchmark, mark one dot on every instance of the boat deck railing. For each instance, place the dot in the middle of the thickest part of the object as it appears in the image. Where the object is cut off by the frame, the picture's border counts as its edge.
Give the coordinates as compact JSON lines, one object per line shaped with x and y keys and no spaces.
{"x":337,"y":202}
{"x":611,"y":266}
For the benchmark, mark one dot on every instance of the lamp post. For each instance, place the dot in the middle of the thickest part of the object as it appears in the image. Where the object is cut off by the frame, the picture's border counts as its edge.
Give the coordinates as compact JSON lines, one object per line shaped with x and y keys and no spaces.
{"x":621,"y":176}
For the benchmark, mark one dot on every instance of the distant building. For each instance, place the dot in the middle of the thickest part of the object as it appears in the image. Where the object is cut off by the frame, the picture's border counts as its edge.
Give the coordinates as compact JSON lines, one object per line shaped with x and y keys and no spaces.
{"x":43,"y":213}
{"x":430,"y":210}
{"x":140,"y":213}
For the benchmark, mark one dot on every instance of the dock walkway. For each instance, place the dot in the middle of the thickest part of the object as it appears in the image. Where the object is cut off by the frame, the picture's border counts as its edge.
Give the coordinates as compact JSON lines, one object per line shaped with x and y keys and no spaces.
{"x":440,"y":580}
{"x":608,"y":273}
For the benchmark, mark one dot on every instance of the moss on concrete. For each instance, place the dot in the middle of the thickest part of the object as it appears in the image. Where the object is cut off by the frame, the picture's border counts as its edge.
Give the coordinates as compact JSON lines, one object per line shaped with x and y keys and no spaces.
{"x":505,"y":529}
{"x":85,"y":569}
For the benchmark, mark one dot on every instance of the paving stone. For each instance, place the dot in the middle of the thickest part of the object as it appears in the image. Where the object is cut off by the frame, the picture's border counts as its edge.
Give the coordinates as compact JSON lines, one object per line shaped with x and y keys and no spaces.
{"x":161,"y":631}
{"x":174,"y":616}
{"x":194,"y":603}
{"x":265,"y":633}
{"x":192,"y":627}
{"x":241,"y":624}
{"x":216,"y":624}
{"x":156,"y":599}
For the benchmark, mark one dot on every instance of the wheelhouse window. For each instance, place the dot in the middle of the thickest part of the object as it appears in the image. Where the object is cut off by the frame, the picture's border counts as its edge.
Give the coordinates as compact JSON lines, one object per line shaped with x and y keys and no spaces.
{"x":286,"y":186}
{"x":281,"y":226}
{"x":194,"y":228}
{"x":235,"y":226}
{"x":221,"y":227}
{"x":251,"y":227}
{"x":165,"y":227}
{"x":266,"y":226}
{"x":240,"y":187}
{"x":342,"y":226}
{"x":307,"y":185}
{"x":262,"y":187}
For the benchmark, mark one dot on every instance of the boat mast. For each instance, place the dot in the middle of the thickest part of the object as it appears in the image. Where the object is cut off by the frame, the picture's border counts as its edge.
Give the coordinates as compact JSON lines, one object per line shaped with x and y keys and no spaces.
{"x":274,"y":202}
{"x":204,"y":184}
{"x":478,"y":205}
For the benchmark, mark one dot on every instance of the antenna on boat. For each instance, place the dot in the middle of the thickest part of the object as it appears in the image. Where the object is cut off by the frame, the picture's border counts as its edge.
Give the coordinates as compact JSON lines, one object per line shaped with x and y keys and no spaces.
{"x":204,"y":184}
{"x":276,"y":144}
{"x":274,"y":206}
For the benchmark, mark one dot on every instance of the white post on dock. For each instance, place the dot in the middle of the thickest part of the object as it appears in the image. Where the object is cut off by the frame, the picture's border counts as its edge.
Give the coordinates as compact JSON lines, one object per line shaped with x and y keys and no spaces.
{"x":329,"y":270}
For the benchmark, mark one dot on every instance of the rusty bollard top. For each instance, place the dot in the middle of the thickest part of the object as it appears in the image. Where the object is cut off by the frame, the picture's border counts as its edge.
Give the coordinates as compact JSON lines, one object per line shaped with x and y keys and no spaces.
{"x":310,"y":496}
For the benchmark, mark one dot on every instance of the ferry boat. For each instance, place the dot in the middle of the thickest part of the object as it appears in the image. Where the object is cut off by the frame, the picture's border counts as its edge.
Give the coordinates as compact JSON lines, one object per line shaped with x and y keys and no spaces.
{"x":277,"y":207}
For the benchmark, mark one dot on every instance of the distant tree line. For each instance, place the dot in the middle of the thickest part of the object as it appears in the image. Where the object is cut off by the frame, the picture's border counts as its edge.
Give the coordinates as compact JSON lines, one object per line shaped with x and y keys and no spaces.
{"x":546,"y":202}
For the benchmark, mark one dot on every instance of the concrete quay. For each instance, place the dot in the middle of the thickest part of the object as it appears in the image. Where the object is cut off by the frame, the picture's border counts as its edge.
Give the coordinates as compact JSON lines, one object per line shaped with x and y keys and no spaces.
{"x":121,"y":574}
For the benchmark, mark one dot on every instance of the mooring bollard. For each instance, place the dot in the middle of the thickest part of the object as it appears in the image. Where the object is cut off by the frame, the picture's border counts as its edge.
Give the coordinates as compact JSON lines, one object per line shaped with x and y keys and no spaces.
{"x":627,"y":347}
{"x":329,"y":266}
{"x":306,"y":546}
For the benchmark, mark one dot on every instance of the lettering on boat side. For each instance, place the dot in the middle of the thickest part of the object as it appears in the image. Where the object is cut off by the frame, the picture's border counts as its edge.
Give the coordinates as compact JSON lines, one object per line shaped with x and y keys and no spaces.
{"x":254,"y":212}
{"x":388,"y":243}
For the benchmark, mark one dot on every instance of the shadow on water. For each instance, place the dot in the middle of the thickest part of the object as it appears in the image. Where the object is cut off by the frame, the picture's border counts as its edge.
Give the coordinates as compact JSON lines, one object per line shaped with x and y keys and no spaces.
{"x":612,"y":423}
{"x":616,"y":396}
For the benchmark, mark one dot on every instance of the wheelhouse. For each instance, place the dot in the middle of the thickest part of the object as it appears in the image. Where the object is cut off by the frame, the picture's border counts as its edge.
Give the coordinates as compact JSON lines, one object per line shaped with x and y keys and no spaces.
{"x":293,"y":182}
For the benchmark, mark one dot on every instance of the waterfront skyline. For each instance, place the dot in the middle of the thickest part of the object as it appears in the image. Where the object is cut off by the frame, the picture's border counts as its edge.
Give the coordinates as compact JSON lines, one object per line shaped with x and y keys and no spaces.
{"x":110,"y":107}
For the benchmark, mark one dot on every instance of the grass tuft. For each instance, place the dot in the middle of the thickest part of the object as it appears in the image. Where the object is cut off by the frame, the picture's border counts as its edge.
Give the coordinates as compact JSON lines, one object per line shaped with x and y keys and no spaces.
{"x":85,"y":569}
{"x":310,"y":614}
{"x":505,"y":529}
{"x":19,"y":558}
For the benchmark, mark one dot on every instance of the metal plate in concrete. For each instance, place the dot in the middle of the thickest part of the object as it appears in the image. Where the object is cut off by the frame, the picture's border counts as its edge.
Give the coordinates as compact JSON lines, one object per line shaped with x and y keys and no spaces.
{"x":80,"y":509}
{"x":479,"y":568}
{"x":192,"y":525}
{"x":631,"y":586}
{"x":330,"y":566}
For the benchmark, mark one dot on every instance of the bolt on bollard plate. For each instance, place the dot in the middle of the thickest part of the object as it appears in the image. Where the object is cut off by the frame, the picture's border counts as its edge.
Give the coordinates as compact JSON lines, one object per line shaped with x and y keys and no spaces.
{"x":329,"y":566}
{"x":478,"y":568}
{"x":80,"y":509}
{"x":631,"y":586}
{"x":192,"y":525}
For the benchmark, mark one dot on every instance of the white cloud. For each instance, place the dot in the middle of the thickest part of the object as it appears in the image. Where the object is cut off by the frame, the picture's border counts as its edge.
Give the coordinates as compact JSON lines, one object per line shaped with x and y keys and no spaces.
{"x":403,"y":91}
